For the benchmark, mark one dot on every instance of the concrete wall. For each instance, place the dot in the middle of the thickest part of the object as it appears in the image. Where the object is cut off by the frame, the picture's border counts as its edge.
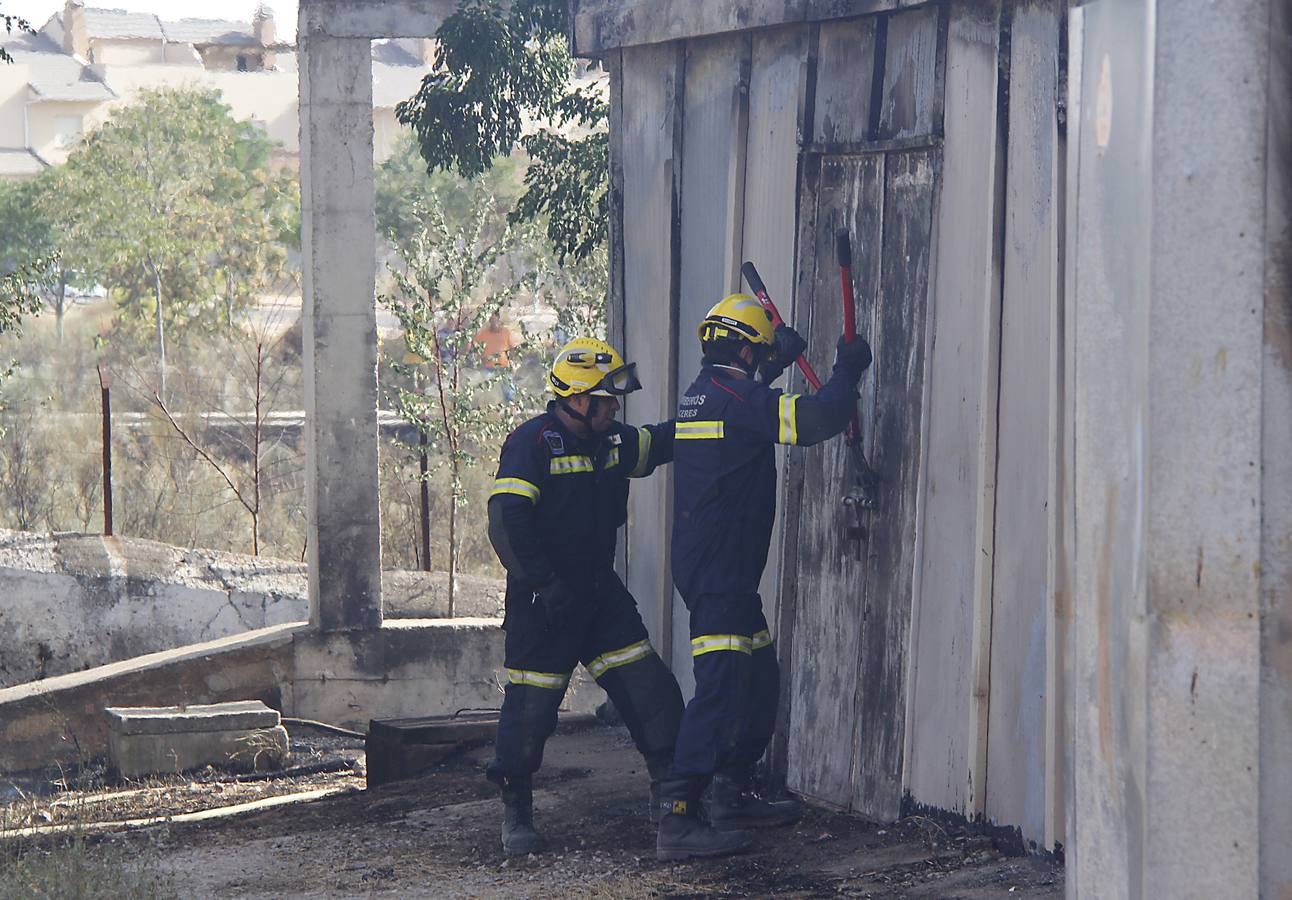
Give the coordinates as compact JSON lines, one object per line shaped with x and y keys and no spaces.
{"x":43,"y":123}
{"x":126,"y":53}
{"x":75,"y":601}
{"x":415,"y":667}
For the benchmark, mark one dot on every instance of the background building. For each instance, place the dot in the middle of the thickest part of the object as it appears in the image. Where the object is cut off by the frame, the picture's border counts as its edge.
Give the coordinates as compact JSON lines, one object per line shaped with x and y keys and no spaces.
{"x":83,"y":61}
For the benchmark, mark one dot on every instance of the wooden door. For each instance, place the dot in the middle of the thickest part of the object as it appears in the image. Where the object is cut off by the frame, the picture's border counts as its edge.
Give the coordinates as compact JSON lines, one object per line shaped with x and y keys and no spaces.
{"x":852,"y":571}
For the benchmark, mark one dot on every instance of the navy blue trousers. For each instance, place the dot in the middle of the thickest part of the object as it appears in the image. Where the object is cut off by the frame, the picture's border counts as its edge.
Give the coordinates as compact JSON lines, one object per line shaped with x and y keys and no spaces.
{"x":730,"y":720}
{"x":609,"y":639}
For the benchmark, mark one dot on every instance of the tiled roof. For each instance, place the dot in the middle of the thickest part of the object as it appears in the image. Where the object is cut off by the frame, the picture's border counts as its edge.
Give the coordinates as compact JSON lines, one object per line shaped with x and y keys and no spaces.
{"x":394,"y":53}
{"x":55,"y":74}
{"x":76,"y":92}
{"x":210,"y":31}
{"x":20,"y":162}
{"x":119,"y":24}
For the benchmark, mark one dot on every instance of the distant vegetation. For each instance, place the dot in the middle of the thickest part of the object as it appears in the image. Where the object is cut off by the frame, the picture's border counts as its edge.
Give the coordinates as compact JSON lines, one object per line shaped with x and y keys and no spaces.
{"x":174,"y":209}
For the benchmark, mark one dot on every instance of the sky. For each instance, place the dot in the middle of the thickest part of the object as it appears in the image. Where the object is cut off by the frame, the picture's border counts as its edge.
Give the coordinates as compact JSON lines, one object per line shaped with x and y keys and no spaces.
{"x":38,"y":11}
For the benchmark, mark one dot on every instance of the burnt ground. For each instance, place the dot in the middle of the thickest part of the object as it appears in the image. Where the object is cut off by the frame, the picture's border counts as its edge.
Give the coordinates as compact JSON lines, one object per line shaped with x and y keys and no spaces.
{"x":437,"y":837}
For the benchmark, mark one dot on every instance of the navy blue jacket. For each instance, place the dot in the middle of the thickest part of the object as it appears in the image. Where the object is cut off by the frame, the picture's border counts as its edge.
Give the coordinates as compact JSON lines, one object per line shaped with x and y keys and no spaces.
{"x":724,"y":471}
{"x":558,"y":500}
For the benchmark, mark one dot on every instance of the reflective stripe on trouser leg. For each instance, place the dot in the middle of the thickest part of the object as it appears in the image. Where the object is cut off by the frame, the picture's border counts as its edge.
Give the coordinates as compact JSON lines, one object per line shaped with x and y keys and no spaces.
{"x":714,"y":718}
{"x":527,"y":720}
{"x":647,"y":696}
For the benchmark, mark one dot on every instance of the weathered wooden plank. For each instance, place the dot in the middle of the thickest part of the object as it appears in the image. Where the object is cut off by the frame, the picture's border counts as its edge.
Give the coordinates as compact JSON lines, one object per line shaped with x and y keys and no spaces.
{"x":714,"y":117}
{"x":601,"y":25}
{"x":791,"y":509}
{"x":777,"y":72}
{"x":845,"y":71}
{"x":911,"y":93}
{"x":1016,"y":761}
{"x":831,"y":571}
{"x":899,"y":339}
{"x":652,"y":77}
{"x":946,"y":731}
{"x":615,"y":236}
{"x":1063,"y":803}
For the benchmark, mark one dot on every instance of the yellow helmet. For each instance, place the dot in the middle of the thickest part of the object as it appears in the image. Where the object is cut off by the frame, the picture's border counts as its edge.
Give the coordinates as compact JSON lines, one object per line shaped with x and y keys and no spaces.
{"x":588,"y":366}
{"x":737,"y":317}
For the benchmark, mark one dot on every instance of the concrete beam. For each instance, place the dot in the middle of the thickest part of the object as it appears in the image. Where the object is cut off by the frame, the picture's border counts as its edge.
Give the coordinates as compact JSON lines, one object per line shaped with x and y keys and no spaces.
{"x":601,"y":25}
{"x":373,"y":18}
{"x":338,"y":231}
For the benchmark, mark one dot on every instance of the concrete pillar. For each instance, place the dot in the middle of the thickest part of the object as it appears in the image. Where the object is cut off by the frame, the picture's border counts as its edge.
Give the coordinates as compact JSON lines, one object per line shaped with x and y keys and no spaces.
{"x":338,"y":232}
{"x":1171,"y":430}
{"x":1276,"y":486}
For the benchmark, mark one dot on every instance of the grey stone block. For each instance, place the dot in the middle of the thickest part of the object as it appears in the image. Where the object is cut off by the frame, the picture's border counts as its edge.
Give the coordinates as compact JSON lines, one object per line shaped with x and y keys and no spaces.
{"x":246,"y":735}
{"x":231,"y":716}
{"x":243,"y":749}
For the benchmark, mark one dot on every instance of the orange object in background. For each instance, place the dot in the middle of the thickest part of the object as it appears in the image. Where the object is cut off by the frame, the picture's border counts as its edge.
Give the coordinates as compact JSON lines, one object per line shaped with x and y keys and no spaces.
{"x":496,"y":340}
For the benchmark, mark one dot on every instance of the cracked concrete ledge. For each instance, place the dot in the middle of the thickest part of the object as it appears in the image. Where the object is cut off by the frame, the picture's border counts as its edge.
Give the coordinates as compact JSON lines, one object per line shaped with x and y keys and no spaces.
{"x":414,"y":667}
{"x":77,"y":600}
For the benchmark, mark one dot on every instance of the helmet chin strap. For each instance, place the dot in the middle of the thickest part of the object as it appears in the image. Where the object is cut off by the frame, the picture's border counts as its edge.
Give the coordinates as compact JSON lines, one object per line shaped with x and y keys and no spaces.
{"x":584,"y":418}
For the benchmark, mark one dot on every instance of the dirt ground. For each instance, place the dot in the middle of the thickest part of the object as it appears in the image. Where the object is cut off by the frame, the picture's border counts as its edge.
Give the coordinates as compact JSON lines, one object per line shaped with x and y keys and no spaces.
{"x":437,"y":837}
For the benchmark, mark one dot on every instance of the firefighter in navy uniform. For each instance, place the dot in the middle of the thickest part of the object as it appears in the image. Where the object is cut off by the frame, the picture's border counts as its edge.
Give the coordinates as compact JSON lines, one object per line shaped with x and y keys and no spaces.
{"x":724,"y":504}
{"x":560,"y":494}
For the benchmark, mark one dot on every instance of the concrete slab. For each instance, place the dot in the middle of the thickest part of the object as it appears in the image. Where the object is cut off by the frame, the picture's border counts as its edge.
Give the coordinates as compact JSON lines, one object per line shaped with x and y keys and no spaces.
{"x":244,"y":714}
{"x":242,"y":749}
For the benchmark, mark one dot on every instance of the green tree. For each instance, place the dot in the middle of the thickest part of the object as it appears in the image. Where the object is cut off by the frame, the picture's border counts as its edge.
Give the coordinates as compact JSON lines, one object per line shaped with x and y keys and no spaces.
{"x":448,"y":281}
{"x":172,"y":205}
{"x":499,"y":63}
{"x":10,"y":23}
{"x":21,"y":268}
{"x":27,"y":233}
{"x":404,"y":188}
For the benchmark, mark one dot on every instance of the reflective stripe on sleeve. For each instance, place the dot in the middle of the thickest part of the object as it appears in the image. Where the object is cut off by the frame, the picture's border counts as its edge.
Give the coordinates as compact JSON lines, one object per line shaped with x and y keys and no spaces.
{"x":568,"y":465}
{"x":518,"y":486}
{"x":643,"y":453}
{"x":621,"y":657}
{"x":789,"y":428}
{"x":698,"y":431}
{"x":761,"y":639}
{"x":552,"y":680}
{"x":711,"y":643}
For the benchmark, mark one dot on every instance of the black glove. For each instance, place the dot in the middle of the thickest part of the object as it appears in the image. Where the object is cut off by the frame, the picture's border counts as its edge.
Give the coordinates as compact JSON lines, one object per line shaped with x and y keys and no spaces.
{"x":787,"y":346}
{"x":854,"y":358}
{"x":559,"y":602}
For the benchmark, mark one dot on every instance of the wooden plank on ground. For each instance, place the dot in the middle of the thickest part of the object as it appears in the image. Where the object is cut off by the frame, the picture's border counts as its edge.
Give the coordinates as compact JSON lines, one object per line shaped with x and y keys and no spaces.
{"x":652,"y":77}
{"x":899,"y":345}
{"x":715,"y":118}
{"x":845,"y":70}
{"x":911,"y":94}
{"x":951,"y":621}
{"x":777,"y":73}
{"x":1016,"y":765}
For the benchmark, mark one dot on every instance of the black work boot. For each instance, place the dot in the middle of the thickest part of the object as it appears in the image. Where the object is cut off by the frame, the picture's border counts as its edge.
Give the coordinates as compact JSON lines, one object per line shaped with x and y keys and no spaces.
{"x":518,"y":835}
{"x":733,"y":804}
{"x":682,"y":835}
{"x":658,"y":769}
